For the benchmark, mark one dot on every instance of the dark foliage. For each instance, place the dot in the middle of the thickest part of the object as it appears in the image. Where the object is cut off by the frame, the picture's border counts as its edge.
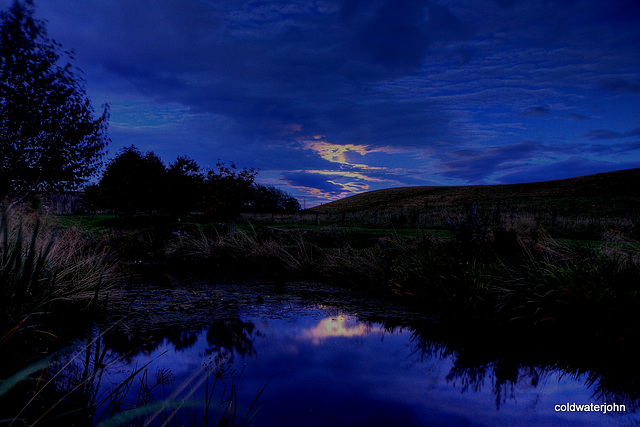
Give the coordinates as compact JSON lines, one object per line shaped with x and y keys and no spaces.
{"x":136,"y":183}
{"x":185,"y":184}
{"x":226,"y":190}
{"x":133,"y":183}
{"x":49,"y":138}
{"x":268,"y":199}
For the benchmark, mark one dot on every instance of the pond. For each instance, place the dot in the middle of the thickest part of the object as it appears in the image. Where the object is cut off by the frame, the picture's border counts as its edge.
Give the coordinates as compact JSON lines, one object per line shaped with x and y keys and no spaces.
{"x":195,"y":352}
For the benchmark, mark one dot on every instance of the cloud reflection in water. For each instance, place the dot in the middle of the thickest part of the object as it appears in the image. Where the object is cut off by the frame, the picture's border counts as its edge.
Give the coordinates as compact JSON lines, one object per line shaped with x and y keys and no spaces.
{"x":338,"y":326}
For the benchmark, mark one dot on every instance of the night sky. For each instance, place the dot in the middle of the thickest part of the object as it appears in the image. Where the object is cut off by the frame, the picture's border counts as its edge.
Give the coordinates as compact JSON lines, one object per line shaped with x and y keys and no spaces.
{"x":331,"y":98}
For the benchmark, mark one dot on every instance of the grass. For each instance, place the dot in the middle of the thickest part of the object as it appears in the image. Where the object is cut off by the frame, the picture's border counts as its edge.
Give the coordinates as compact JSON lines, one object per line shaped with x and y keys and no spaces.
{"x":492,"y":267}
{"x":493,"y":263}
{"x":605,"y":191}
{"x":582,"y":208}
{"x":47,"y":274}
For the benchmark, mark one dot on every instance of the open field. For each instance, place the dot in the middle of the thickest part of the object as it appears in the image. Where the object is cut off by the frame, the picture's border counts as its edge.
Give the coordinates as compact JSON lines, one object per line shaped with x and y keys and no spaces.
{"x":610,"y":192}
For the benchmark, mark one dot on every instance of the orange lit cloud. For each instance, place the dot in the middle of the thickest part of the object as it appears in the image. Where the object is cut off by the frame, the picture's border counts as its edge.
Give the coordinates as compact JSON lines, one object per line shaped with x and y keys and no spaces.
{"x":347,"y":174}
{"x":321,"y":195}
{"x":350,"y":176}
{"x":337,"y":153}
{"x":339,"y":326}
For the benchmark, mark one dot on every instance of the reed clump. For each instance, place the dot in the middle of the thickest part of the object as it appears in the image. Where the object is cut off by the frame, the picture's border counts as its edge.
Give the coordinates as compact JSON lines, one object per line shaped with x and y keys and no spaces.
{"x":275,"y":252}
{"x":82,"y":387}
{"x":47,"y":274}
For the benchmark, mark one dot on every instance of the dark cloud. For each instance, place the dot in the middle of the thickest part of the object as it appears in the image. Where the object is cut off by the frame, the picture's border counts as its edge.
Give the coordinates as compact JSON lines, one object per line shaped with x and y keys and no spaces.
{"x":312,"y":71}
{"x":452,"y":86}
{"x":608,"y":134}
{"x":395,"y":37}
{"x":475,"y":166}
{"x":506,"y":3}
{"x":624,"y":11}
{"x":538,"y":111}
{"x":620,"y":85}
{"x":578,"y":116}
{"x":602,"y":134}
{"x":571,"y":167}
{"x":445,"y":26}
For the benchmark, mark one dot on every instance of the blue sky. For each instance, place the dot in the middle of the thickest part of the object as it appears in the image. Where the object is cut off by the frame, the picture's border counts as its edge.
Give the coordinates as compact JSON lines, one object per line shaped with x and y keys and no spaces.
{"x":331,"y":98}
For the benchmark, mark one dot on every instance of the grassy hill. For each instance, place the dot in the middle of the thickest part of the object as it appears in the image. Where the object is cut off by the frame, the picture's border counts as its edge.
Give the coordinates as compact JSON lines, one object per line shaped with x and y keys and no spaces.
{"x":601,"y":194}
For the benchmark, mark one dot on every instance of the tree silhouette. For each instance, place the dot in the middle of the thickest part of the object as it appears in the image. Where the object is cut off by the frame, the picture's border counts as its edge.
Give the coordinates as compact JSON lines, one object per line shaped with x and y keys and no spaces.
{"x":133,"y":183}
{"x":227,"y":190}
{"x":49,"y":138}
{"x":184,"y":187}
{"x":268,"y":199}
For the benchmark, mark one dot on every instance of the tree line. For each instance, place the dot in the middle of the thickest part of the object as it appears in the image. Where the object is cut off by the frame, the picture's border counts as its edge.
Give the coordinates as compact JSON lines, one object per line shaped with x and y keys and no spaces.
{"x":52,"y":140}
{"x":134,"y":182}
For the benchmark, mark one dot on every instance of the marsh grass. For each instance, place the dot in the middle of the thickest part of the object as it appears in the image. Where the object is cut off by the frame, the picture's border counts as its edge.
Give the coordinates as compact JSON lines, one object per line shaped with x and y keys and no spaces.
{"x":496,"y":265}
{"x":273,"y":253}
{"x":47,"y":273}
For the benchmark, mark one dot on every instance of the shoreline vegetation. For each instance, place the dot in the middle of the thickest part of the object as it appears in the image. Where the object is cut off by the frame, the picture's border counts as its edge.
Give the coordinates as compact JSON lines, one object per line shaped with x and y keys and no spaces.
{"x":564,"y":255}
{"x":517,"y":262}
{"x":482,"y":270}
{"x":511,"y":261}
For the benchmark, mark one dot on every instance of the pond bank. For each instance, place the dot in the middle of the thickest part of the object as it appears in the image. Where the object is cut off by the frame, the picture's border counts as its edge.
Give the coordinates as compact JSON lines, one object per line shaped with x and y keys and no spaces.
{"x":495,"y":275}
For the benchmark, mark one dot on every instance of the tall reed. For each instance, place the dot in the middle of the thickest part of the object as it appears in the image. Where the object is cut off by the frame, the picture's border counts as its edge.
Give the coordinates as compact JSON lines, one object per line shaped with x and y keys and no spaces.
{"x":47,"y":273}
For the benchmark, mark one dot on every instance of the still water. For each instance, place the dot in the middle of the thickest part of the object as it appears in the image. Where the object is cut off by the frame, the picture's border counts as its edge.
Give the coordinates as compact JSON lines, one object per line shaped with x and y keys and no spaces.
{"x":274,"y":356}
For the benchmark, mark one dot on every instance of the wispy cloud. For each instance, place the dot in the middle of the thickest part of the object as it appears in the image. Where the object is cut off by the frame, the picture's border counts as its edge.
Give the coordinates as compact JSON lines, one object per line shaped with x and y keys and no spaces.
{"x":608,"y":134}
{"x":476,"y":165}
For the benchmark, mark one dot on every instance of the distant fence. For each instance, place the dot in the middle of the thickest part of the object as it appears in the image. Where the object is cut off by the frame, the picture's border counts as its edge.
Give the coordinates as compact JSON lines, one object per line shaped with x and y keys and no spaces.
{"x":376,"y":218}
{"x":441,"y":217}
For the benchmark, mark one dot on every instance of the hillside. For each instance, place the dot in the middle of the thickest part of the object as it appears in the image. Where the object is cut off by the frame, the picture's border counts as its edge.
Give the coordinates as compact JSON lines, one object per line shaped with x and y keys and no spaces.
{"x":617,"y":191}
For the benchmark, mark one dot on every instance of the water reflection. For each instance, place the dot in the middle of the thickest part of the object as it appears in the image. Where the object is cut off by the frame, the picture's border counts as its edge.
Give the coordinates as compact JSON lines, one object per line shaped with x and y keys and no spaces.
{"x":227,"y":336}
{"x":344,"y":367}
{"x":339,"y":326}
{"x":318,"y":367}
{"x":231,"y":336}
{"x":610,"y":374}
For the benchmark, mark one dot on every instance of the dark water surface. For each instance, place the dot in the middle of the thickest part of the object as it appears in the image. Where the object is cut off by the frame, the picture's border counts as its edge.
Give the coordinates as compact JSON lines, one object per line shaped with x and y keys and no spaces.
{"x":314,"y":357}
